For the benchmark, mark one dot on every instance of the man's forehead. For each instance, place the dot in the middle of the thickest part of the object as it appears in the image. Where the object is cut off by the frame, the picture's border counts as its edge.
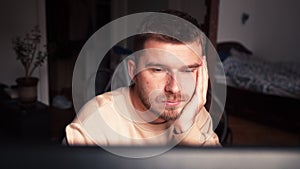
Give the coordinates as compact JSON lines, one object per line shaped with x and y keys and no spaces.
{"x":195,"y":45}
{"x":177,"y":54}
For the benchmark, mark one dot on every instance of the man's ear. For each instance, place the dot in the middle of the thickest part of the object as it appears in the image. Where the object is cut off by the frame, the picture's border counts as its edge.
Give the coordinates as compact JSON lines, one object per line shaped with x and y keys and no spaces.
{"x":131,"y":69}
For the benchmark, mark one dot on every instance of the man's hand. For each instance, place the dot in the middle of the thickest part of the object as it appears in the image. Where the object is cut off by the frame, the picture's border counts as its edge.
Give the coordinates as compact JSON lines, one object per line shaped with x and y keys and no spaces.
{"x":193,"y":107}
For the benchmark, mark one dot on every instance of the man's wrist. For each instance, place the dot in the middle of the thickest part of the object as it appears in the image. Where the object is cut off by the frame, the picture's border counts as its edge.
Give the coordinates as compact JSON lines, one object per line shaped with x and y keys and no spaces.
{"x":178,"y":129}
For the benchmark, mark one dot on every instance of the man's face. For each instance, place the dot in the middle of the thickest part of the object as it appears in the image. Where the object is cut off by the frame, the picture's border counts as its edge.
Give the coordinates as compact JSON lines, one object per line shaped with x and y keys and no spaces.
{"x":165,"y":78}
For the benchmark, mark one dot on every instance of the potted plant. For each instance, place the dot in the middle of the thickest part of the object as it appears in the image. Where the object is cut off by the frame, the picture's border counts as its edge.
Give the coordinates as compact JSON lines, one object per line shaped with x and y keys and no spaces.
{"x":31,"y":54}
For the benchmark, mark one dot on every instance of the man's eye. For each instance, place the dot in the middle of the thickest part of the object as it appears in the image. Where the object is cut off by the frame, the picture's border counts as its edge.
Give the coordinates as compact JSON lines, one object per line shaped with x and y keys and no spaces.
{"x":157,"y":70}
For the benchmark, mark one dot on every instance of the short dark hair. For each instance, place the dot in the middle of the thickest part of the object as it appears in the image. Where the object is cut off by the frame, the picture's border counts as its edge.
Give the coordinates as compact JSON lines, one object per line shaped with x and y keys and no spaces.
{"x":158,"y":28}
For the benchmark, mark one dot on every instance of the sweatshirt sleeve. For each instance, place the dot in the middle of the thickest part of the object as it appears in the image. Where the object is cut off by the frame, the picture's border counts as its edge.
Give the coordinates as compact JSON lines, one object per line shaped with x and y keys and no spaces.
{"x":81,"y":130}
{"x":75,"y":135}
{"x":201,"y":133}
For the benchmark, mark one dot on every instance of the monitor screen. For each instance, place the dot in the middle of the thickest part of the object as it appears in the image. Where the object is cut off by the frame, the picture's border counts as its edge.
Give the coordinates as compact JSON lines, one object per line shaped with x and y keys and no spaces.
{"x":55,"y":157}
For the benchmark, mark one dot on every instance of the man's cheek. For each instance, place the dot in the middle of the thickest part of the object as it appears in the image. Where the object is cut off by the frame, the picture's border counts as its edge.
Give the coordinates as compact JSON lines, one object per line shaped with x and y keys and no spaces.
{"x":188,"y":87}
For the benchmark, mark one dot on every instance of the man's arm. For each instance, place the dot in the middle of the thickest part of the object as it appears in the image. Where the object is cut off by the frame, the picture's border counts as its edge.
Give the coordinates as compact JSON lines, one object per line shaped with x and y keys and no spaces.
{"x":75,"y":135}
{"x":190,"y":111}
{"x":200,"y":133}
{"x":194,"y":126}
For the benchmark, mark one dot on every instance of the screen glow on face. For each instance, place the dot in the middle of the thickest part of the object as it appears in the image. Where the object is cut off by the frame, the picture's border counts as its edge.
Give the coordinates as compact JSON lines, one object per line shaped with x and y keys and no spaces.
{"x":170,"y":69}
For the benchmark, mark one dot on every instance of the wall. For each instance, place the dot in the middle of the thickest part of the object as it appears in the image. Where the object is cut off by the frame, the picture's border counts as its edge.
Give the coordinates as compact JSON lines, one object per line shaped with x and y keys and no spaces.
{"x":18,"y":17}
{"x":196,"y":8}
{"x":272,"y":31}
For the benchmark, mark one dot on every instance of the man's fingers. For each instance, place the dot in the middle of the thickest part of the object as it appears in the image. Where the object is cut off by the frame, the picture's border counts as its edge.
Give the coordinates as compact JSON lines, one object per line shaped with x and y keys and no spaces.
{"x":205,"y":80}
{"x":202,"y":83}
{"x":197,"y":101}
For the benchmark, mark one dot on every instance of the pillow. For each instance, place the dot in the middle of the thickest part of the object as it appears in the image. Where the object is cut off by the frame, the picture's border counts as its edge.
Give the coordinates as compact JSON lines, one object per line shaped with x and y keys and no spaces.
{"x":224,"y":49}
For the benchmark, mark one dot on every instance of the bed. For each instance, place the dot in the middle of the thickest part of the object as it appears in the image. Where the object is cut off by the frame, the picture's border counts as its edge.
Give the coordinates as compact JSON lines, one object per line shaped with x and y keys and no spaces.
{"x":259,"y":90}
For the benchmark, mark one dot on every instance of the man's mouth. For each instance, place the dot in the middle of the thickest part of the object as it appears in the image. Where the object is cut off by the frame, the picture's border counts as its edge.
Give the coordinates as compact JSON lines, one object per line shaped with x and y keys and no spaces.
{"x":172,"y":102}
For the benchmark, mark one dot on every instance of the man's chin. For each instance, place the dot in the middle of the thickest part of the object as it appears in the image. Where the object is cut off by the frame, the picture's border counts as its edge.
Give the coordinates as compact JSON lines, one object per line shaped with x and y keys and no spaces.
{"x":169,"y":118}
{"x":171,"y":115}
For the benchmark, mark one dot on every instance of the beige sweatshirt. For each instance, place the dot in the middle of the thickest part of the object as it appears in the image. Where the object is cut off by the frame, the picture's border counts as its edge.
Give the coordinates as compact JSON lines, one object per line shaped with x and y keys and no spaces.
{"x":110,"y":119}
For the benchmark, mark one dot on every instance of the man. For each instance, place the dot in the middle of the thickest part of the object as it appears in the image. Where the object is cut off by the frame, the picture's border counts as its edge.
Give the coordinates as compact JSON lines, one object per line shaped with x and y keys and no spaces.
{"x":165,"y":103}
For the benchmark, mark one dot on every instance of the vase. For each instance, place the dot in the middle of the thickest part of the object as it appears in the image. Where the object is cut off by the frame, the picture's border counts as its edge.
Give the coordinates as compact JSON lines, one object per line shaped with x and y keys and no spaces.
{"x":27,"y":89}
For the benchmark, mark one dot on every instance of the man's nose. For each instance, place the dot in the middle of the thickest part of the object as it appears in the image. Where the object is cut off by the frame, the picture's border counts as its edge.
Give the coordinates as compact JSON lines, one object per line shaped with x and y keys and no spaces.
{"x":172,"y":84}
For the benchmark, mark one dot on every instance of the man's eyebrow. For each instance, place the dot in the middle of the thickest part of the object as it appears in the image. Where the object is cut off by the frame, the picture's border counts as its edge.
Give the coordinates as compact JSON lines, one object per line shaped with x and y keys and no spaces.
{"x":196,"y":65}
{"x":155,"y":65}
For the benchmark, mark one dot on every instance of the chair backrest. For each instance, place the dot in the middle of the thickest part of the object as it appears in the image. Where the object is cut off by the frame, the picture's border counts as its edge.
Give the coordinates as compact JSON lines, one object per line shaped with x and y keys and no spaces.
{"x":102,"y":82}
{"x":107,"y":70}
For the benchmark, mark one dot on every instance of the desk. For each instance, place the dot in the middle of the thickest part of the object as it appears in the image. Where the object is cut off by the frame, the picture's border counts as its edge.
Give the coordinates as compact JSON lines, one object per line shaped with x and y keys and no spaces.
{"x":23,"y":123}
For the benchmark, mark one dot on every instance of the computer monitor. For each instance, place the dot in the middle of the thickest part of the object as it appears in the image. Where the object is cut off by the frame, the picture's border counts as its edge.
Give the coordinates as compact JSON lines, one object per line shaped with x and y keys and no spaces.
{"x":56,"y":157}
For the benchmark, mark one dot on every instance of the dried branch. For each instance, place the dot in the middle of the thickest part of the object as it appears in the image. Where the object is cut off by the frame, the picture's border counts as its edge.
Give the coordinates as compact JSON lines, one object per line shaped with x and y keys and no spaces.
{"x":29,"y":51}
